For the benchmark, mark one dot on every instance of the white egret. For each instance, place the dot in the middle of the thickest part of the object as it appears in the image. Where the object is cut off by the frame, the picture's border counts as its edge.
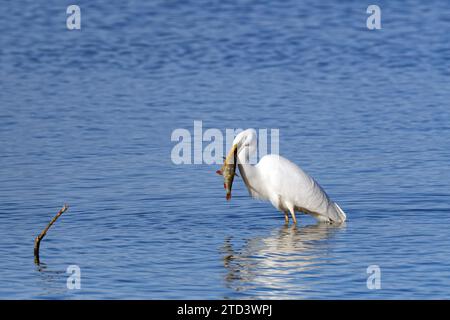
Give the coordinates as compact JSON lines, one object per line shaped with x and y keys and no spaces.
{"x":284,"y":184}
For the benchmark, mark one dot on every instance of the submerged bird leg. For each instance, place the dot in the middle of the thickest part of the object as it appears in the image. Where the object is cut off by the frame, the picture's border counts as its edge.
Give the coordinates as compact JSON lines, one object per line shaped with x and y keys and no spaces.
{"x":286,"y":217}
{"x":293,"y":215}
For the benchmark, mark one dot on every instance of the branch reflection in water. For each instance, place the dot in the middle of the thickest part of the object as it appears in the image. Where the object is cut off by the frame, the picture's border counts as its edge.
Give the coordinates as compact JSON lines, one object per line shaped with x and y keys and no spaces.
{"x":277,"y":264}
{"x":53,"y":281}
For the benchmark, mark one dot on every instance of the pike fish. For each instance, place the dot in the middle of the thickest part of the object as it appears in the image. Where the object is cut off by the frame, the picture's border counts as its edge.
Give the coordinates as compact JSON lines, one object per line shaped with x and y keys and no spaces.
{"x":228,"y":171}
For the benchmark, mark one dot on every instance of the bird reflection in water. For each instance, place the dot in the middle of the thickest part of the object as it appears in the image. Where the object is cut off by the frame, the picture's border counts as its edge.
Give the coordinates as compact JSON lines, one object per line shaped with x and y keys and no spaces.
{"x":275,"y":265}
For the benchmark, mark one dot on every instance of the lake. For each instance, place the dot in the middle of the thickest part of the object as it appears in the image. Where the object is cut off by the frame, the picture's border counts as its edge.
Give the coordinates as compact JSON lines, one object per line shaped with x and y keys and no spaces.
{"x":86,"y":118}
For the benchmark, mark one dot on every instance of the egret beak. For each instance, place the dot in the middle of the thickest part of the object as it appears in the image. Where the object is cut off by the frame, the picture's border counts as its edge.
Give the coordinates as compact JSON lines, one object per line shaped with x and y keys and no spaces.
{"x":230,"y":156}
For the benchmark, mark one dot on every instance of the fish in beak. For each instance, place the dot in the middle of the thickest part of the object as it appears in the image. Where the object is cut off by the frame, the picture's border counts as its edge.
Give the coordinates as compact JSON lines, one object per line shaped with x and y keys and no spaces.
{"x":228,"y":170}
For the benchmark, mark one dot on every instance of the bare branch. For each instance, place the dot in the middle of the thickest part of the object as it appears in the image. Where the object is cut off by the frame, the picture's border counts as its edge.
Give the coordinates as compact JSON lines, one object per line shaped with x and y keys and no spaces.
{"x":38,"y":239}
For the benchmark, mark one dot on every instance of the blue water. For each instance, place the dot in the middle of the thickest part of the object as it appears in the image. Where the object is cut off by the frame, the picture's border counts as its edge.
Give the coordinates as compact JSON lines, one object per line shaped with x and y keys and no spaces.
{"x":86,"y":118}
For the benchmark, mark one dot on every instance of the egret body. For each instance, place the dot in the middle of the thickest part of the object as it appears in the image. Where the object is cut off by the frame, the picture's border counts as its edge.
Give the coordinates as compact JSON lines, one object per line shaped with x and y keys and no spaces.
{"x":284,"y":184}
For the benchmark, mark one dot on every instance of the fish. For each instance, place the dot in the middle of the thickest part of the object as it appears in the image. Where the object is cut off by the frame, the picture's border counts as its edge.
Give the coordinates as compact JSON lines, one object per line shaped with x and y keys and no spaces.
{"x":228,"y":171}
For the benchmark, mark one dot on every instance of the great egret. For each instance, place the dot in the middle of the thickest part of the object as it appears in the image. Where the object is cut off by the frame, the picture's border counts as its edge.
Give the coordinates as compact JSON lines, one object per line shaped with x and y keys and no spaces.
{"x":284,"y":184}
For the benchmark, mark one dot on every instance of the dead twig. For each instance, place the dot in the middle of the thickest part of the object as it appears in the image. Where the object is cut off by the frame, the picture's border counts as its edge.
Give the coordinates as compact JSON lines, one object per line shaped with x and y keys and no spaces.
{"x":38,"y":239}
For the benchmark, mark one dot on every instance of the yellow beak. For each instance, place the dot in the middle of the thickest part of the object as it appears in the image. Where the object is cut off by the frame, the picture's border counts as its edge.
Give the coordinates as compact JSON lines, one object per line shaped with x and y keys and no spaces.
{"x":230,"y":156}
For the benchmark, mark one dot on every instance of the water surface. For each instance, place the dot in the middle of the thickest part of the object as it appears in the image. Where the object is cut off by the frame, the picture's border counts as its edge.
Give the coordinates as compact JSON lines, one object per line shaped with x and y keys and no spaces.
{"x":86,"y":118}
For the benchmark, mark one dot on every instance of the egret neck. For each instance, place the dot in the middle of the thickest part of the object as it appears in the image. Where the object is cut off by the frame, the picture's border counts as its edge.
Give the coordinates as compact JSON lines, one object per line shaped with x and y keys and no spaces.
{"x":248,"y":171}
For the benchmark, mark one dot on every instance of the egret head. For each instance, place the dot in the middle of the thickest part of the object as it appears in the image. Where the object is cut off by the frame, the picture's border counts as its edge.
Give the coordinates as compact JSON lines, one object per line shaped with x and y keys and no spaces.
{"x":245,"y":143}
